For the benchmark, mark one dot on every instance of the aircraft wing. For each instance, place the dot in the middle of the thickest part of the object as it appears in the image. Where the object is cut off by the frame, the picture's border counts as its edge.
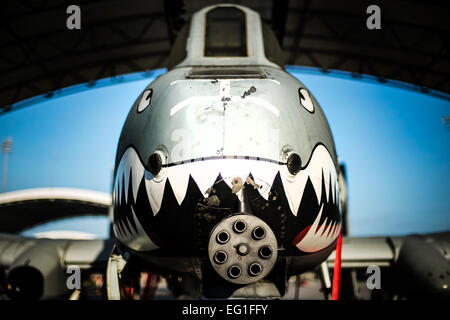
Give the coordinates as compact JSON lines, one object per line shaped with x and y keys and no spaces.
{"x":409,"y":266}
{"x":363,"y":252}
{"x":38,"y":267}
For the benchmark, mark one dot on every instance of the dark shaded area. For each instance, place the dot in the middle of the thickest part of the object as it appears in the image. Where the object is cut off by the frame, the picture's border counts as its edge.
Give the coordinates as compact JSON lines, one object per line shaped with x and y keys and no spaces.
{"x":40,"y":55}
{"x":225,"y":33}
{"x":215,"y":287}
{"x":423,"y":272}
{"x":27,"y":283}
{"x":18,"y":216}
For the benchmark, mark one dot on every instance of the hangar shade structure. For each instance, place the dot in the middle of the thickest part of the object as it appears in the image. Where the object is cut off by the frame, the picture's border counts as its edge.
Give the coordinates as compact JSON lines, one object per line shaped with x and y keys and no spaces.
{"x":40,"y":55}
{"x":24,"y":209}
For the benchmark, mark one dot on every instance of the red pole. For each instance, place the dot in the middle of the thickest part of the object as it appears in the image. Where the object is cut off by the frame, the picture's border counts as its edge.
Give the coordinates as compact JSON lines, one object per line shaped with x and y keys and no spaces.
{"x":337,"y":269}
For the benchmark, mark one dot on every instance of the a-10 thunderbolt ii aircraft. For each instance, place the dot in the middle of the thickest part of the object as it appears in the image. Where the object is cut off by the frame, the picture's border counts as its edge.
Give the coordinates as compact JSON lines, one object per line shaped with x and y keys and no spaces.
{"x":227,"y":175}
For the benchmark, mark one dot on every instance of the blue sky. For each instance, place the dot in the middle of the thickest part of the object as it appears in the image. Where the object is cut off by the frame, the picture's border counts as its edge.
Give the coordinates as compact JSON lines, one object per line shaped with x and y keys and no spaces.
{"x":393,"y":142}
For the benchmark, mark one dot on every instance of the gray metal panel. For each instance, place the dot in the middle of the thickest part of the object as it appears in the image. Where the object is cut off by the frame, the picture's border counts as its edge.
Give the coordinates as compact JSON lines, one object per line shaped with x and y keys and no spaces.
{"x":11,"y":246}
{"x":87,"y":253}
{"x":84,"y":253}
{"x":198,"y":126}
{"x":362,"y":252}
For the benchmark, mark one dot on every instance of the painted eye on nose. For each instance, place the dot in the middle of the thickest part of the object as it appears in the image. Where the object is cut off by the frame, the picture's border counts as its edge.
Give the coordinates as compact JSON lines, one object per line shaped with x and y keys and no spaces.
{"x":305,"y":99}
{"x":146,"y":100}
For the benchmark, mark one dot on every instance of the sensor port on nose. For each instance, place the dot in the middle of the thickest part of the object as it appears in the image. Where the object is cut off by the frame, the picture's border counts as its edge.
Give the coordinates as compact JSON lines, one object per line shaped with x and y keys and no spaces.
{"x":220,"y":257}
{"x":154,"y":163}
{"x":255,"y":269}
{"x":258,"y":233}
{"x":265,"y":252}
{"x":239,"y":226}
{"x":223,"y":237}
{"x":234,"y":271}
{"x":294,"y":163}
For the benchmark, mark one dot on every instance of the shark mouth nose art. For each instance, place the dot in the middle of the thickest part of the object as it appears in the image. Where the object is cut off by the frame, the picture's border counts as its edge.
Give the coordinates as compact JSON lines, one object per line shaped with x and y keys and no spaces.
{"x":163,"y":210}
{"x":313,"y":196}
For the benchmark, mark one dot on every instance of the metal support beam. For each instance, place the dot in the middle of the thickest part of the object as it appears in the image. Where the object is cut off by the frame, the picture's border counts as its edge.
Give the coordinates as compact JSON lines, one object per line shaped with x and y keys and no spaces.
{"x":279,"y":17}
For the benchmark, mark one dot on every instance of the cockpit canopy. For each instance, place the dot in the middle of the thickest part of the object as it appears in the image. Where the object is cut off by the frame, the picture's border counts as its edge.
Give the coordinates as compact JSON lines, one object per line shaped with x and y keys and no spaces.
{"x":225,"y":35}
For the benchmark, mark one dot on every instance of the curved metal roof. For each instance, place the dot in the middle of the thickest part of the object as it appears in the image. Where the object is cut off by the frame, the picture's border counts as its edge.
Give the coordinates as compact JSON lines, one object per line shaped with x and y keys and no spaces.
{"x":26,"y":208}
{"x":40,"y":55}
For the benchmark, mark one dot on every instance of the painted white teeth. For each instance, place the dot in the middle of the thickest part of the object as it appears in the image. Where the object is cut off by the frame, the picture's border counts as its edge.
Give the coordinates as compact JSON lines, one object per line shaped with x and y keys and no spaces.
{"x":334,"y":186}
{"x":293,"y":188}
{"x":326,"y":177}
{"x":264,"y":174}
{"x":320,"y":165}
{"x":264,"y":171}
{"x":126,"y":229}
{"x":335,"y":231}
{"x":130,"y":163}
{"x":130,"y":227}
{"x":317,"y":184}
{"x":179,"y":178}
{"x":121,"y":229}
{"x":205,"y":174}
{"x":119,"y":190}
{"x":331,"y":197}
{"x":135,"y":239}
{"x":322,"y":228}
{"x":155,"y":192}
{"x":232,"y":167}
{"x":116,"y":233}
{"x":315,"y":241}
{"x":331,"y":231}
{"x":265,"y":194}
{"x":141,"y":241}
{"x":126,"y":175}
{"x":126,"y":234}
{"x":137,"y":173}
{"x":117,"y":229}
{"x":338,"y":230}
